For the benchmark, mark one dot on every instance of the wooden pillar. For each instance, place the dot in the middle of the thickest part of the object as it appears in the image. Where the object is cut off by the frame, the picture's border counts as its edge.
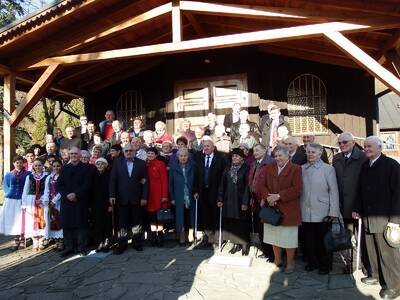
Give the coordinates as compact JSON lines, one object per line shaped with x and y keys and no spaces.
{"x":8,"y":130}
{"x":176,"y":22}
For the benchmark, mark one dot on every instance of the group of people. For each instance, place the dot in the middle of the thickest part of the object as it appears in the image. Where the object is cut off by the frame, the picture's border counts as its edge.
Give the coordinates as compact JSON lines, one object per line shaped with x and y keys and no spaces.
{"x":114,"y":185}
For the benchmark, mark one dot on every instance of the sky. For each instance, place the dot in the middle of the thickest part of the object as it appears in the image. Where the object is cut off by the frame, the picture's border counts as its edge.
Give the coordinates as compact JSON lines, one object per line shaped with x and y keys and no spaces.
{"x":33,"y":5}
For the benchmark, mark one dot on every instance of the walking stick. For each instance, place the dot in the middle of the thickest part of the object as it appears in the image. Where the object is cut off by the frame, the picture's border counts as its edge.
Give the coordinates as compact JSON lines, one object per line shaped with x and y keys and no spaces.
{"x":23,"y":226}
{"x":358,"y":245}
{"x":220,"y":230}
{"x":196,"y":198}
{"x":113,"y":221}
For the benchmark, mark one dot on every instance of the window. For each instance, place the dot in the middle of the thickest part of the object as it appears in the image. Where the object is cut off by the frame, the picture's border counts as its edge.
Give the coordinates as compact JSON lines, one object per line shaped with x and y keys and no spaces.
{"x":306,"y":97}
{"x":129,"y":106}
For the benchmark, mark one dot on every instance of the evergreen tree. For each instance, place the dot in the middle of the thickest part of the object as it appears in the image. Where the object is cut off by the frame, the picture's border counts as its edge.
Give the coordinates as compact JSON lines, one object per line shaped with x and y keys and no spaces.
{"x":10,"y":10}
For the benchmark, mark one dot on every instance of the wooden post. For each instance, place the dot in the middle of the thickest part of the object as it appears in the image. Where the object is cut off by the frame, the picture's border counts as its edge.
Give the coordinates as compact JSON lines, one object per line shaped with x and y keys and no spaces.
{"x":8,"y":130}
{"x":176,"y":22}
{"x":364,"y":60}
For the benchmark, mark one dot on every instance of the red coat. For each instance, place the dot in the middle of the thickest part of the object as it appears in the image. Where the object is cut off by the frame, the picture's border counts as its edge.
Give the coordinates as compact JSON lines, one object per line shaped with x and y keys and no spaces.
{"x":288,"y":184}
{"x":158,"y":184}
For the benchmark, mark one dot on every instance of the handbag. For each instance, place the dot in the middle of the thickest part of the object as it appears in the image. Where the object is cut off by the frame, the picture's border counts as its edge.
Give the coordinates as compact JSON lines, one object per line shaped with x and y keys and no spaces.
{"x":165,"y":216}
{"x":338,"y":237}
{"x":270,"y":215}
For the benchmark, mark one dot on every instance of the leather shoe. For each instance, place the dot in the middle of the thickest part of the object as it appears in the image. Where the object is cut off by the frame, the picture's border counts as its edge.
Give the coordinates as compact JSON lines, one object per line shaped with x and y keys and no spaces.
{"x":245,"y":250}
{"x":310,"y":268}
{"x":389,"y":293}
{"x":370,"y":281}
{"x":235,"y":249}
{"x":66,"y":252}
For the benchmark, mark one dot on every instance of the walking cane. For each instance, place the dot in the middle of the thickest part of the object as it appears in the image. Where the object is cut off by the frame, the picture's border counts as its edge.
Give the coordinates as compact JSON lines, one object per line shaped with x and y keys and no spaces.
{"x":358,"y":245}
{"x":23,"y":226}
{"x":113,"y":221}
{"x":220,"y":230}
{"x":196,"y":199}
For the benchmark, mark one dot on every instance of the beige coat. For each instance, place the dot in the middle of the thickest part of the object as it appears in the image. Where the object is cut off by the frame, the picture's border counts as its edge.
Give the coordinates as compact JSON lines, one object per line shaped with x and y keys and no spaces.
{"x":320,"y":196}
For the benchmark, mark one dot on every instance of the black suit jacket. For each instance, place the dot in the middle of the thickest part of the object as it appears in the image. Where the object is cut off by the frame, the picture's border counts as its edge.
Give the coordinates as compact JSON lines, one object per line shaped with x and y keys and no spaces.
{"x":379,"y":194}
{"x":299,"y":157}
{"x":129,"y":189}
{"x":217,"y":167}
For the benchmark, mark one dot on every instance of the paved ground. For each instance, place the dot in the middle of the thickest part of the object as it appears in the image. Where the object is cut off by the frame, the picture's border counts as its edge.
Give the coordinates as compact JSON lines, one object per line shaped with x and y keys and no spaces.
{"x":166,"y":273}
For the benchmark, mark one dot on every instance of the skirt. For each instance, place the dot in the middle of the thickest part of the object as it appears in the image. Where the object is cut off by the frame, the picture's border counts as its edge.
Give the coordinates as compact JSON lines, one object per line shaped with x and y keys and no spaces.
{"x":30,"y":231}
{"x":281,"y":236}
{"x":10,"y":217}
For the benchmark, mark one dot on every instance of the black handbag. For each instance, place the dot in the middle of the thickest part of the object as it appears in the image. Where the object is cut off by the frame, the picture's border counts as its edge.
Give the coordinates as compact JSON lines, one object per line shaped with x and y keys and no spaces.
{"x":165,"y":216}
{"x":270,"y":215}
{"x":338,"y":237}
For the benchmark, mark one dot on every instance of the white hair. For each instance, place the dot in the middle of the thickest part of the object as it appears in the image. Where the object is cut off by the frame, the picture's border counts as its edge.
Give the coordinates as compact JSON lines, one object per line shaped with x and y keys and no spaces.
{"x":373,"y":140}
{"x":160,"y":124}
{"x":116,"y":122}
{"x":182,"y":151}
{"x":207,"y":138}
{"x":293,"y":140}
{"x":317,"y":147}
{"x":346,"y":135}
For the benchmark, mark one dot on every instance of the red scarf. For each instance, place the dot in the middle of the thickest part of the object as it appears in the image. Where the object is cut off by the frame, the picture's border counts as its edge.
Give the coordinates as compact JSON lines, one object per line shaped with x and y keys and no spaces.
{"x":38,"y":214}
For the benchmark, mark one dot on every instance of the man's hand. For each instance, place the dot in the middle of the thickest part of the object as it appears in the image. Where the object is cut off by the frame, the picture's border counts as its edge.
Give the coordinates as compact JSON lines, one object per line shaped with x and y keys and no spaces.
{"x":143,"y":180}
{"x":173,"y":202}
{"x":109,"y":209}
{"x":143,"y":202}
{"x":355,"y":215}
{"x":196,"y":196}
{"x":112,"y":201}
{"x":220,"y":204}
{"x":244,"y":207}
{"x":72,"y":197}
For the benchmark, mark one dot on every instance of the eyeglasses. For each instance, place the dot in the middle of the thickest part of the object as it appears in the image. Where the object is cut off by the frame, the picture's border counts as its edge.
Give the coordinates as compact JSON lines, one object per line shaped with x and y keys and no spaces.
{"x":128,"y":150}
{"x":343,"y":142}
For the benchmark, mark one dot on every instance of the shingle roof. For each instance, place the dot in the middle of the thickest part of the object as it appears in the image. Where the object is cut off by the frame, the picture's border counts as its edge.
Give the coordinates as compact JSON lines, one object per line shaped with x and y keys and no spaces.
{"x":389,"y":111}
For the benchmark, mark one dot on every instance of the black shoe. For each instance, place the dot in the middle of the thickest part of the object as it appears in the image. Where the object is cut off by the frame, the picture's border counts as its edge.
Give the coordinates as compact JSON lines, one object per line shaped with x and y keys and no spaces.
{"x":235,"y":248}
{"x":160,"y":239}
{"x":323,"y":271}
{"x":389,"y":293}
{"x":138,"y":247}
{"x":66,"y":252}
{"x":370,"y":281}
{"x":153,"y":239}
{"x":245,"y":250}
{"x":310,"y":268}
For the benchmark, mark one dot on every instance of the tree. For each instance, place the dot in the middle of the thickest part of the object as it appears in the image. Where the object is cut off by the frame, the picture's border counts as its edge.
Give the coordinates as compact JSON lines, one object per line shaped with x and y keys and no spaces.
{"x":76,"y":106}
{"x":9,"y":10}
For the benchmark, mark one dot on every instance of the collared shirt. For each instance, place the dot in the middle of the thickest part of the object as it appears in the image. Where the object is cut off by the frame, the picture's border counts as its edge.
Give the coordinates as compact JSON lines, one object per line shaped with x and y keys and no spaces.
{"x":209,"y":160}
{"x":129,"y":165}
{"x":280,"y":169}
{"x":316,"y":165}
{"x":371,"y":162}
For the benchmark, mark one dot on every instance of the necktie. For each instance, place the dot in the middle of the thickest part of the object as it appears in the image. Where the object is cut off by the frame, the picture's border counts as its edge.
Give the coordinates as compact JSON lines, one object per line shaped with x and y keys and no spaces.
{"x":206,"y":171}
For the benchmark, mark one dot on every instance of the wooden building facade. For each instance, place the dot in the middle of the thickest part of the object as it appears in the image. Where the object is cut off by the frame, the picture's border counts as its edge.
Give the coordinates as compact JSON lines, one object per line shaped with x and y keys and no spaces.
{"x":181,"y":59}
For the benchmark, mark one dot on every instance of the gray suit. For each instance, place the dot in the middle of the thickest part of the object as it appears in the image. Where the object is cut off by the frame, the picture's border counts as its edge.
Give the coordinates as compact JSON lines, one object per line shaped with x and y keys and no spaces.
{"x":347,"y":174}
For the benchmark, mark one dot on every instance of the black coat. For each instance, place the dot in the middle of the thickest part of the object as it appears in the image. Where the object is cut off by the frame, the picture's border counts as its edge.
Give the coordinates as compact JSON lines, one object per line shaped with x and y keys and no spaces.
{"x":379,"y":194}
{"x":234,"y":195}
{"x":74,"y":179}
{"x":347,"y":174}
{"x":299,"y":157}
{"x":69,"y":143}
{"x":217,"y":167}
{"x":129,"y":190}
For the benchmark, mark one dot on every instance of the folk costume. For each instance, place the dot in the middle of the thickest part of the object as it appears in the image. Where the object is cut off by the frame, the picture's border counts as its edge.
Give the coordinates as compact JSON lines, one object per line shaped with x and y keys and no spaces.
{"x":33,"y":214}
{"x":52,"y":200}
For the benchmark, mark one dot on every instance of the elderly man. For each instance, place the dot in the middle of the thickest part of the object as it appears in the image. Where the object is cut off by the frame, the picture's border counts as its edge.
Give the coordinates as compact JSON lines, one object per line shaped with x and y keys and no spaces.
{"x":244,"y":137}
{"x":195,"y":145}
{"x":115,"y":137}
{"x":74,"y":185}
{"x":137,"y":147}
{"x":233,"y":117}
{"x":70,"y":140}
{"x":221,"y":140}
{"x":244,"y":119}
{"x":255,"y":181}
{"x":187,"y":132}
{"x":129,"y":188}
{"x":125,"y":139}
{"x":51,"y":149}
{"x":269,"y":131}
{"x":82,"y":129}
{"x":296,"y":154}
{"x":148,"y":137}
{"x":88,"y":136}
{"x":210,"y":166}
{"x":212,"y":122}
{"x":378,"y":204}
{"x":105,"y":126}
{"x":347,"y":165}
{"x":137,"y":129}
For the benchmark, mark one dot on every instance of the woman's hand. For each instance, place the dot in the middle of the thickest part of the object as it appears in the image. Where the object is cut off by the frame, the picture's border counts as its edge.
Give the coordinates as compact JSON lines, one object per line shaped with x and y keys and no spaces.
{"x":244,"y":207}
{"x":220,"y":204}
{"x":272,"y":199}
{"x":163,"y":200}
{"x":173,"y":202}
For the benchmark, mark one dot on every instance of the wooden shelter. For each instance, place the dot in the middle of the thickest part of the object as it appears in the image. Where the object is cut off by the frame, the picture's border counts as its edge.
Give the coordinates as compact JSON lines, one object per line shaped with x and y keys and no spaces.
{"x":152,"y":51}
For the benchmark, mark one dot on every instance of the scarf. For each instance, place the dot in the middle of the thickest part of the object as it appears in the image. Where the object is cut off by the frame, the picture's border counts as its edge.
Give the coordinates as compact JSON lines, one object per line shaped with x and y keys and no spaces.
{"x":233,"y":172}
{"x":38,"y":211}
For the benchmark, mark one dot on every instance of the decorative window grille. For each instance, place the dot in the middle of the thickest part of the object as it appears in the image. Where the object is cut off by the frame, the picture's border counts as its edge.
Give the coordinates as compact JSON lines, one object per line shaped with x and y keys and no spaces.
{"x":307,"y":105}
{"x":130,"y":106}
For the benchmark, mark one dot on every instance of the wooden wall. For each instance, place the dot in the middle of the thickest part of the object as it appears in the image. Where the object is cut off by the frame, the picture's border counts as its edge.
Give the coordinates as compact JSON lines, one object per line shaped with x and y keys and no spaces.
{"x":350,"y":93}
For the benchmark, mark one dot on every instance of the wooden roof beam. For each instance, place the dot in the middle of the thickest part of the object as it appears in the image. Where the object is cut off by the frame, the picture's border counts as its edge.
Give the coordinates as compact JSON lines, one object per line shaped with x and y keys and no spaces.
{"x":176,"y":22}
{"x":148,"y":15}
{"x":393,"y":42}
{"x":27,"y":78}
{"x":34,"y":94}
{"x":226,"y":41}
{"x":364,"y":60}
{"x":195,"y":24}
{"x":394,"y":58}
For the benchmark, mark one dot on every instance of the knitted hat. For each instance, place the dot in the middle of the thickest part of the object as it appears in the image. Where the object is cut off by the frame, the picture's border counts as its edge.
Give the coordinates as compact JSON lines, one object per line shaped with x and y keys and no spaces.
{"x":238,"y":151}
{"x":102,"y":160}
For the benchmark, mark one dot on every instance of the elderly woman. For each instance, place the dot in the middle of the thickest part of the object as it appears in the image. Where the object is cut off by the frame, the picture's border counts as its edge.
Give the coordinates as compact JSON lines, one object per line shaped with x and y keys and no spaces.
{"x":160,"y":134}
{"x":158,"y":194}
{"x":181,"y":179}
{"x":320,"y":199}
{"x":282,"y":189}
{"x":233,"y":196}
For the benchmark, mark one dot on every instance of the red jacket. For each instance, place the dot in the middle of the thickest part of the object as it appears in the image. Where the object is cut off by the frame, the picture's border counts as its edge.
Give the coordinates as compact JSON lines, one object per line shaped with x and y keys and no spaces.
{"x":158,"y":184}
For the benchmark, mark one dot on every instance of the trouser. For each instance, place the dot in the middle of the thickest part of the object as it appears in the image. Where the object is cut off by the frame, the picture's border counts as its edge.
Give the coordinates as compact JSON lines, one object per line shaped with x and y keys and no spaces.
{"x":384,"y":260}
{"x":259,"y":228}
{"x":209,"y":216}
{"x":130,"y":220}
{"x":102,"y":226}
{"x":313,"y":234}
{"x":350,"y":255}
{"x":75,"y":239}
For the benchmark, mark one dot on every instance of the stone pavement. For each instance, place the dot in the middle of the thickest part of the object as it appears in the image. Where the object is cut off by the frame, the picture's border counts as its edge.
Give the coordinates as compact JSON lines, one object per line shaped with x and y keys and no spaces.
{"x":163,"y":273}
